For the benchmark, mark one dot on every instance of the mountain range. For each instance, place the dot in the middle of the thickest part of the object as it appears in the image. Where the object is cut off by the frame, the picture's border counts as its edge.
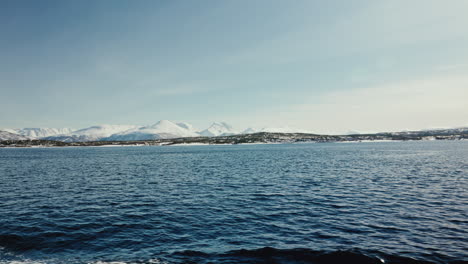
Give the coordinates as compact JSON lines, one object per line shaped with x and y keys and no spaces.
{"x":163,"y":129}
{"x":166,"y":129}
{"x":39,"y":132}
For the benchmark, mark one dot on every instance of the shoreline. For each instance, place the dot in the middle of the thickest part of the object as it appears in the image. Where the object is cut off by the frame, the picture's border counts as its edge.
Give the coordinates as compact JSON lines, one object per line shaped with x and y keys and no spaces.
{"x":218,"y":144}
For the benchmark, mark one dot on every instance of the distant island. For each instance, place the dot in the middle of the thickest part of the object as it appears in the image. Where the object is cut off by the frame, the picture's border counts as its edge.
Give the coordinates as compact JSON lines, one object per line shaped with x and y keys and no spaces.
{"x":252,"y":138}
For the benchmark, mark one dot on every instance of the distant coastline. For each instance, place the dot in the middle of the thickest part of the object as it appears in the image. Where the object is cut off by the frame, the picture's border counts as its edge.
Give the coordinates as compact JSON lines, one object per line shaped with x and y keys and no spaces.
{"x":255,"y":138}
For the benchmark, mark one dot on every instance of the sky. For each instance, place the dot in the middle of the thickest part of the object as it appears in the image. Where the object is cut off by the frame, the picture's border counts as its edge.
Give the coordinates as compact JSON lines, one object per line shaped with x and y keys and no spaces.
{"x":324,"y":66}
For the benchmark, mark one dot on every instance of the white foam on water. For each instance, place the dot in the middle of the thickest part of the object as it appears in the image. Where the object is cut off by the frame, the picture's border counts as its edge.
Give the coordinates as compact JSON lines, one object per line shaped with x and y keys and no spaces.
{"x":157,"y":261}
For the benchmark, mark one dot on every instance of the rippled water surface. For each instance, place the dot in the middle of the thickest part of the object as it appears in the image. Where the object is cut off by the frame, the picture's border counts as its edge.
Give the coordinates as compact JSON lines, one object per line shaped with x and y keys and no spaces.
{"x":390,"y":202}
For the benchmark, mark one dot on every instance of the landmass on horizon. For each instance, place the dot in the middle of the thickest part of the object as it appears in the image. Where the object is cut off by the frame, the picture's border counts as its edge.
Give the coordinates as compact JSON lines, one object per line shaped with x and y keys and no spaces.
{"x":165,"y":133}
{"x":166,"y":129}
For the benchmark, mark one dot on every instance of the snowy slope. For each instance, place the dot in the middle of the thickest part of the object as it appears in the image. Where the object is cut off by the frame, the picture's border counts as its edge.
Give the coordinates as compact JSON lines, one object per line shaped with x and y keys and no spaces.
{"x":219,"y":129}
{"x":103,"y":130}
{"x":168,"y":127}
{"x":187,"y":126}
{"x":93,"y":133}
{"x":40,"y":132}
{"x":5,"y":135}
{"x":162,"y":129}
{"x":275,"y":130}
{"x":250,"y":131}
{"x":283,"y":130}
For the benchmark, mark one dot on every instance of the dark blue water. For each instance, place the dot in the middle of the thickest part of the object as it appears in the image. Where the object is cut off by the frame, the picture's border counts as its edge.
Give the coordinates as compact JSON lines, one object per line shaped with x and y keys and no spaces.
{"x":294,"y":203}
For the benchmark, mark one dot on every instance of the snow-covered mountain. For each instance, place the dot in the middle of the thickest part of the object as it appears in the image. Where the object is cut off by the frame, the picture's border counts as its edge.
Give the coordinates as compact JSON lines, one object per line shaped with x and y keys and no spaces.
{"x":40,"y":132}
{"x":250,"y":131}
{"x":219,"y":129}
{"x":283,"y":130}
{"x":352,"y":132}
{"x":5,"y":135}
{"x":275,"y":130}
{"x":103,"y":130}
{"x":92,"y":133}
{"x":162,"y":129}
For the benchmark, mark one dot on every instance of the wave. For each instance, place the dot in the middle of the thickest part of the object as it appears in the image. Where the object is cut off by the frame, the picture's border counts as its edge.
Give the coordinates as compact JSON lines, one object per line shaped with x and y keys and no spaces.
{"x":297,"y":256}
{"x":266,"y":255}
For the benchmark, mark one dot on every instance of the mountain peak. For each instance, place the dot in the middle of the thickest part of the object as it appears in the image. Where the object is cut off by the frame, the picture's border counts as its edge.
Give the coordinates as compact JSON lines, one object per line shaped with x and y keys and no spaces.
{"x":250,"y":131}
{"x":165,"y":128}
{"x":163,"y":123}
{"x":218,"y":129}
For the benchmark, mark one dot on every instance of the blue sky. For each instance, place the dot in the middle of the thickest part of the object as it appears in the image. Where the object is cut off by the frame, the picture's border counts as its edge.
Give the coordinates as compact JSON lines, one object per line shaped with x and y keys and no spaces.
{"x":325,"y":66}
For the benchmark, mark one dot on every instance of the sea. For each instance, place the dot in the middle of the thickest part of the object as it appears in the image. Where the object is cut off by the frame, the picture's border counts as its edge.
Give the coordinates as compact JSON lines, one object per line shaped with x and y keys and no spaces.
{"x":372,"y":202}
